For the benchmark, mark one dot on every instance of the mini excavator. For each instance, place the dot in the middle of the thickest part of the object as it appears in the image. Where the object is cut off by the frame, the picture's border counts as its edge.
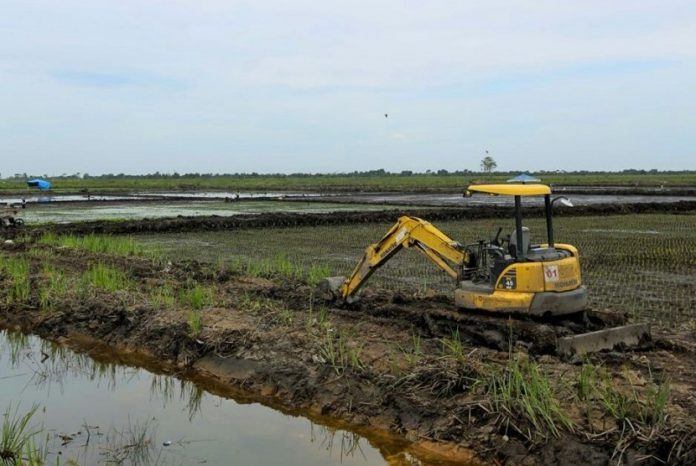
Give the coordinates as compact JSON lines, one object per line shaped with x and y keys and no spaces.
{"x":503,"y":275}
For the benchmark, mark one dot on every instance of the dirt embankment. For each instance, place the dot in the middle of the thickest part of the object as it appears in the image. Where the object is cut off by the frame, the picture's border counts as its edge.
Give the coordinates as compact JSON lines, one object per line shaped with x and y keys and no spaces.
{"x":382,"y":365}
{"x":209,"y":223}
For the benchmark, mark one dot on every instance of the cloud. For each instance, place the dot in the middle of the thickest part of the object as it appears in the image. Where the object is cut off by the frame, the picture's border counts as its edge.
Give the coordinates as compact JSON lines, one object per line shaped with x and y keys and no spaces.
{"x":105,"y":79}
{"x":126,"y":86}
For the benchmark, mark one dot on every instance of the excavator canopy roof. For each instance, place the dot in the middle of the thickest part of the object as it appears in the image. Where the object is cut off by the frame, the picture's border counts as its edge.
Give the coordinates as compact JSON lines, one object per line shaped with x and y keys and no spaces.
{"x":511,"y":189}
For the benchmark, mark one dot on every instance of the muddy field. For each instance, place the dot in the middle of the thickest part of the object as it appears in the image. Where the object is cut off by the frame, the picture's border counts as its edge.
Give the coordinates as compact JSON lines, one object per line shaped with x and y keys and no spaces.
{"x":353,"y":216}
{"x":457,"y":387}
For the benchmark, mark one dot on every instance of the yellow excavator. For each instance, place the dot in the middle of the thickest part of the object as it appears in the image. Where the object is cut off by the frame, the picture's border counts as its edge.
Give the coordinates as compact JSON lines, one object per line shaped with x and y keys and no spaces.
{"x":502,"y":275}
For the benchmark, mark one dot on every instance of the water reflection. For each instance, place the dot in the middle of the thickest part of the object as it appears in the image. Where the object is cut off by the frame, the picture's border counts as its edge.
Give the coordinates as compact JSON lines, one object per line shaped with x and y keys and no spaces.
{"x":349,"y":441}
{"x":100,"y":412}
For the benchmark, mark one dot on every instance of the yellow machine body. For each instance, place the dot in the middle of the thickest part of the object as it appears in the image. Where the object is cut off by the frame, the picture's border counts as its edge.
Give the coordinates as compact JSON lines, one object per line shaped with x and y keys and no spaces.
{"x":547,"y":286}
{"x":541,"y":279}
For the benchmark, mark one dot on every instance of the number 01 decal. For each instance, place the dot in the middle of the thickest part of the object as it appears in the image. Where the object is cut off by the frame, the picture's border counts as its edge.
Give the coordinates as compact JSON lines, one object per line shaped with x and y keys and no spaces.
{"x":551,"y":273}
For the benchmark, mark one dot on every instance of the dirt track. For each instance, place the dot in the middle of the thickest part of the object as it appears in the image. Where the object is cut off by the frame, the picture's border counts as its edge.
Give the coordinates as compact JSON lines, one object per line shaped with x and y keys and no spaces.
{"x":266,"y":335}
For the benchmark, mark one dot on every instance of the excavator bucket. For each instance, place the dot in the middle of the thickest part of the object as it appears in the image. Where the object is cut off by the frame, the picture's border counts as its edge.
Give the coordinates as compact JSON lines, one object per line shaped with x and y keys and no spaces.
{"x":329,"y":288}
{"x":606,"y":339}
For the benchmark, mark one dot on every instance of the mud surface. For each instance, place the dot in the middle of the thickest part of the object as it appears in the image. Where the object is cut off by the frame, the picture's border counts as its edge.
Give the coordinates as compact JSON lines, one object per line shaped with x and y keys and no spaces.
{"x":382,"y":364}
{"x":211,"y":223}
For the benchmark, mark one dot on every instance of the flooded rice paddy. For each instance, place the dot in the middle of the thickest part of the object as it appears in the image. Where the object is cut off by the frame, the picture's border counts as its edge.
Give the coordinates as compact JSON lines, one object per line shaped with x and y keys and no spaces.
{"x":98,"y":411}
{"x":64,"y":208}
{"x":78,"y":212}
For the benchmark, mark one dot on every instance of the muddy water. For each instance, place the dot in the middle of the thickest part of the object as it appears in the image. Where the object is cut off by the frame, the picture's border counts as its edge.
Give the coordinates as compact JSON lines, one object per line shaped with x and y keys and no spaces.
{"x":77,"y":212}
{"x":139,"y":196}
{"x":102,"y":412}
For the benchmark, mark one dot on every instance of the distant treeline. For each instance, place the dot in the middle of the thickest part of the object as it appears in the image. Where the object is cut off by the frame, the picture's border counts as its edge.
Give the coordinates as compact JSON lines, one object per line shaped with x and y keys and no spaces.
{"x":367,"y":173}
{"x":371,"y":180}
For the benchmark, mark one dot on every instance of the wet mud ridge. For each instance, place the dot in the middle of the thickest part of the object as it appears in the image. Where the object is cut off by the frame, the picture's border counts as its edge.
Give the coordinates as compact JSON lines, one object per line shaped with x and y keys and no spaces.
{"x":438,"y":317}
{"x":450,"y":383}
{"x":287,"y":219}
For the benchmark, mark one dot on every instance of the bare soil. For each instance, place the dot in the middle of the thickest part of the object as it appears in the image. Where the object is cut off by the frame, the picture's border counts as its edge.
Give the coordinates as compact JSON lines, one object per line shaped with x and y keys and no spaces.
{"x":268,"y":337}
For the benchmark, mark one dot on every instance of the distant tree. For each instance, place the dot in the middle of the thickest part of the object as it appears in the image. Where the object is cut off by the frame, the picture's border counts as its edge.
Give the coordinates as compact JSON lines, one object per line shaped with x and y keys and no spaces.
{"x":488,"y":164}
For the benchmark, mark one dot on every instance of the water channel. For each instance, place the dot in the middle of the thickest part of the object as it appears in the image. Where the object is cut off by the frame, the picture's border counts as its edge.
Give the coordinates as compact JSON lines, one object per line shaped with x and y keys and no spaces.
{"x":94,"y":410}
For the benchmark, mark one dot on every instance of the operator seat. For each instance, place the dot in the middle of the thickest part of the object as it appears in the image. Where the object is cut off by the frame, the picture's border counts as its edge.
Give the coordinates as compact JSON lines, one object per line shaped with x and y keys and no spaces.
{"x":513,"y":241}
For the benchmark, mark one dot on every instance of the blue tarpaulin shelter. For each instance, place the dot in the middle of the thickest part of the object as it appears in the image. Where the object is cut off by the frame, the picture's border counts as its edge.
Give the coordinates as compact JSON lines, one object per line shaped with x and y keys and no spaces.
{"x":39,"y":183}
{"x":524,"y":178}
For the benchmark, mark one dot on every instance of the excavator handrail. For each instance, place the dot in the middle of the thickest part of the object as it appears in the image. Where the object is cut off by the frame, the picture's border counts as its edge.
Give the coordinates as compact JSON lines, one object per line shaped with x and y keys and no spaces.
{"x":443,"y":251}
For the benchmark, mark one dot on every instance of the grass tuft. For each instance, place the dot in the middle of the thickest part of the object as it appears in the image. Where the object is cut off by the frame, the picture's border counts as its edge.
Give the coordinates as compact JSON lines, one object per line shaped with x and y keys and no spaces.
{"x":53,"y":287}
{"x":452,"y":345}
{"x":195,"y":322}
{"x":595,"y":386}
{"x":196,"y":297}
{"x":522,"y":389}
{"x":339,"y":352}
{"x":106,"y":278}
{"x":17,"y":437}
{"x":18,"y":271}
{"x":97,"y":244}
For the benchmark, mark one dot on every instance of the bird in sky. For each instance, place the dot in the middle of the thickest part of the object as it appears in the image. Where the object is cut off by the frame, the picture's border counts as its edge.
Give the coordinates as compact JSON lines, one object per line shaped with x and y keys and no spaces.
{"x":386,"y":115}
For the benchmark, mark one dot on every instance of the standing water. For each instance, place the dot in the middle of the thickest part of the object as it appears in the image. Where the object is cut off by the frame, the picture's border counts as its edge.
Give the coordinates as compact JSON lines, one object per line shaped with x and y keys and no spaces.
{"x":94,"y":411}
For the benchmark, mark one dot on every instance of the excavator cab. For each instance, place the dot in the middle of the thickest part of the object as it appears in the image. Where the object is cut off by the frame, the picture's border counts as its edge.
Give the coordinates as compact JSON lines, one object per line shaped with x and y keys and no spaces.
{"x":514,"y":275}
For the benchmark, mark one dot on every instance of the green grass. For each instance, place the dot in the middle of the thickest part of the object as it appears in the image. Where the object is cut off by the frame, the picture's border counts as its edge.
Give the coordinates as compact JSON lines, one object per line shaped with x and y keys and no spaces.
{"x":53,"y":287}
{"x":17,"y":269}
{"x":162,"y":297}
{"x":316,"y":273}
{"x":339,"y":351}
{"x":194,"y":322}
{"x":452,"y":346}
{"x":96,"y":244}
{"x":16,"y":438}
{"x":523,"y":390}
{"x":106,"y":278}
{"x":595,"y":387}
{"x":196,"y":297}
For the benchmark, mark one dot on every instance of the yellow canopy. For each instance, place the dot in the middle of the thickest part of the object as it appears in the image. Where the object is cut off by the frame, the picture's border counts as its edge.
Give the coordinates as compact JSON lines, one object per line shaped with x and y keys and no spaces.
{"x":511,"y":189}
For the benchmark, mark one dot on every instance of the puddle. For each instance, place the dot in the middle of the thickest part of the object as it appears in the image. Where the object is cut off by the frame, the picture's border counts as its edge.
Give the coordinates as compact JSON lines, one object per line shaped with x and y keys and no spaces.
{"x":97,"y":412}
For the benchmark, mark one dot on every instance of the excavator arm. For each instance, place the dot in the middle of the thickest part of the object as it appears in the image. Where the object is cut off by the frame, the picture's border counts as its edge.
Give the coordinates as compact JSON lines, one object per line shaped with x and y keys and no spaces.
{"x":408,"y":232}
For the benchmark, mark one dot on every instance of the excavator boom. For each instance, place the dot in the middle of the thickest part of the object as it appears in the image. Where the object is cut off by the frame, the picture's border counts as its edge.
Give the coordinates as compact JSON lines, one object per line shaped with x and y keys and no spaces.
{"x":408,"y":232}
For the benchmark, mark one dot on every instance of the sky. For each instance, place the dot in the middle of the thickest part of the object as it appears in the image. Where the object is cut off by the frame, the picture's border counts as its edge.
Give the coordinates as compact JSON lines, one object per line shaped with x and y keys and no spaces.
{"x":303,"y":86}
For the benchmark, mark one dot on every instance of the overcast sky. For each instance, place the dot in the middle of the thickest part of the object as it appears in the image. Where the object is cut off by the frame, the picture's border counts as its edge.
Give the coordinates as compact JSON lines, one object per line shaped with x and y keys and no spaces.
{"x":287,"y":86}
